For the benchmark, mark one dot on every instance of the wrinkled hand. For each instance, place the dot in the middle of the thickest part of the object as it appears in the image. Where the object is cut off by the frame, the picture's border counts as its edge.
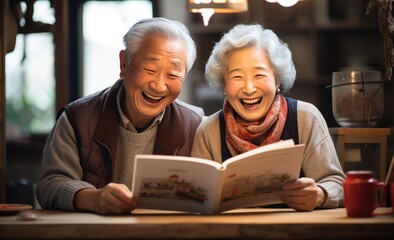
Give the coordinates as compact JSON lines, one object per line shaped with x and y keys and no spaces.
{"x":302,"y":194}
{"x":111,"y":199}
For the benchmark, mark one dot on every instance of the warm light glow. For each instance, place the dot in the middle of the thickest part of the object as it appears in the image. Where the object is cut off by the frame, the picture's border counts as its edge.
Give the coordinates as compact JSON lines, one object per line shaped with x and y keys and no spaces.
{"x":208,"y":7}
{"x":206,"y":14}
{"x":287,"y":3}
{"x":284,"y":3}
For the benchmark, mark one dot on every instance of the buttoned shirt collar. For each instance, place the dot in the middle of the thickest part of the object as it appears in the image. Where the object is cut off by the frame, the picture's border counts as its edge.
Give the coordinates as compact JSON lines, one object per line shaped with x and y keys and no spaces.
{"x":125,"y":122}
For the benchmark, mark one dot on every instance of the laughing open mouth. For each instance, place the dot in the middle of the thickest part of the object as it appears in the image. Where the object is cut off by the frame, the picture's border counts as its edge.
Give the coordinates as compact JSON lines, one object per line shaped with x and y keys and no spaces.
{"x":151,"y":98}
{"x":251,"y":102}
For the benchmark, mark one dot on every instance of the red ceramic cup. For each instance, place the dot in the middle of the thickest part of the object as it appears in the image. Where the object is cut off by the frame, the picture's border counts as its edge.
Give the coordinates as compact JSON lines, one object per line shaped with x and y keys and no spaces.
{"x":361,"y":193}
{"x":392,"y":191}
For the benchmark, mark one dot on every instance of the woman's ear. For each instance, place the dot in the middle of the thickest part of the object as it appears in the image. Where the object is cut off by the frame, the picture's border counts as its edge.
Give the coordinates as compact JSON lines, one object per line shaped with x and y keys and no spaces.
{"x":122,"y":63}
{"x":277,"y":84}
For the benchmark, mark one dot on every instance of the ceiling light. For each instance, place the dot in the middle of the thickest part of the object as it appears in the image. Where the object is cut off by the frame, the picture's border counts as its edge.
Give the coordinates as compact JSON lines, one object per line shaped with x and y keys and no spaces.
{"x":284,"y":3}
{"x":208,"y":7}
{"x":287,"y":3}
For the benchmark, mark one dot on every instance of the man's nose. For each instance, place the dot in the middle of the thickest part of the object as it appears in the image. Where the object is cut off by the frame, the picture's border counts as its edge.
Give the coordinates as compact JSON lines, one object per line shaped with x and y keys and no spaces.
{"x":159,"y":82}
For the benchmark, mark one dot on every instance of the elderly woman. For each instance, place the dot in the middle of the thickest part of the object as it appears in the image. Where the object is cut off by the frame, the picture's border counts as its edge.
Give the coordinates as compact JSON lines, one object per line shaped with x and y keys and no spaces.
{"x":253,"y":68}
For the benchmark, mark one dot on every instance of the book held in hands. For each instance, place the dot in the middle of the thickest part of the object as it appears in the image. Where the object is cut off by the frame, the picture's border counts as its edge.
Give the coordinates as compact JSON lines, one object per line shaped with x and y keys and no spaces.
{"x":198,"y":185}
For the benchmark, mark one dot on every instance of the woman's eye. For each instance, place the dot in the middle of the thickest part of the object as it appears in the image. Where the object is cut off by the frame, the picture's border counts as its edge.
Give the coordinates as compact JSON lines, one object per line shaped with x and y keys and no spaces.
{"x":173,"y":76}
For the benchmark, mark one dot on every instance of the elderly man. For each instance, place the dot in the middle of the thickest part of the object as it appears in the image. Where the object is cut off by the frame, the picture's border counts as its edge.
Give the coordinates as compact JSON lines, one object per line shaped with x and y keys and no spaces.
{"x":88,"y":159}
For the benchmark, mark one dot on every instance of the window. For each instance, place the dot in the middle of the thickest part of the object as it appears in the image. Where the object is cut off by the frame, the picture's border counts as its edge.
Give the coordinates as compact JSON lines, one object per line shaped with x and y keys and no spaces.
{"x":30,"y":81}
{"x":104,"y":24}
{"x":30,"y":72}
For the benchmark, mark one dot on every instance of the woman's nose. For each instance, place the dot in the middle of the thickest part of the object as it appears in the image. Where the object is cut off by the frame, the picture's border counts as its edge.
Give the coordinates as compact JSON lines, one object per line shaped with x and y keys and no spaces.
{"x":249,"y":86}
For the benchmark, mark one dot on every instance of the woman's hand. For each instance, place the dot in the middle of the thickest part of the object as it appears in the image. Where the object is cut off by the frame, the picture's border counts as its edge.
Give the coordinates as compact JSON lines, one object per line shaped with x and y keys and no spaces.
{"x":111,"y":199}
{"x":302,"y":194}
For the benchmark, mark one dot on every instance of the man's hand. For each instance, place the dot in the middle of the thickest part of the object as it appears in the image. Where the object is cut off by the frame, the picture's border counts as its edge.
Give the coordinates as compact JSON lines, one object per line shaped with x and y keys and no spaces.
{"x":302,"y":194}
{"x":111,"y":199}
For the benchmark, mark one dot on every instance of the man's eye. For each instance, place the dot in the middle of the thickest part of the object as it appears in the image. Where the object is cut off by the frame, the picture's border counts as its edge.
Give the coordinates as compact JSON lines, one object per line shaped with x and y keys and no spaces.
{"x":150,"y":71}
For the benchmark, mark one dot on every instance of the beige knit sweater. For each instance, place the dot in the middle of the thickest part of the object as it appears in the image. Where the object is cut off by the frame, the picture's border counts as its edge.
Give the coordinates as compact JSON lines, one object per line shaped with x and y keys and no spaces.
{"x":320,"y":161}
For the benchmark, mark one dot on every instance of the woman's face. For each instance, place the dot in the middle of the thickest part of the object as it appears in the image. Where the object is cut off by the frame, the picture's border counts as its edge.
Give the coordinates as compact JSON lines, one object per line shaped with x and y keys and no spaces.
{"x":250,"y":85}
{"x":153,"y":79}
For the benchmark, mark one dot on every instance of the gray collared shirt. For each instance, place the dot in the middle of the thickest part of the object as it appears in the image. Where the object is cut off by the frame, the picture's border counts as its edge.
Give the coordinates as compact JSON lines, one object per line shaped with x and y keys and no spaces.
{"x":125,"y":122}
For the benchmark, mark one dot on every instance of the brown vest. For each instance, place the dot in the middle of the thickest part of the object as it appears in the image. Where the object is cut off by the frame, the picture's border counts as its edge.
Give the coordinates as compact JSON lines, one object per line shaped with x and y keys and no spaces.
{"x":95,"y":120}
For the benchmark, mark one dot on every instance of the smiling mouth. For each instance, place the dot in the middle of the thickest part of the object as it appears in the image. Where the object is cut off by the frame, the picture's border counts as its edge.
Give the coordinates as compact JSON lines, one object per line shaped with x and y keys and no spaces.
{"x":151,"y":98}
{"x":251,"y":102}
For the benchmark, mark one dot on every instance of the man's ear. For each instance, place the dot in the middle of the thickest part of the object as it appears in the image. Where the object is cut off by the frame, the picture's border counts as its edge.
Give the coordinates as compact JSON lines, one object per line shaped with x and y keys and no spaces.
{"x":122,"y":63}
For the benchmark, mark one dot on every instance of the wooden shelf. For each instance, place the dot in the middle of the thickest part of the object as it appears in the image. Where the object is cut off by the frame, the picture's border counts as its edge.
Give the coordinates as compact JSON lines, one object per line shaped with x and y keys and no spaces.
{"x":325,"y":36}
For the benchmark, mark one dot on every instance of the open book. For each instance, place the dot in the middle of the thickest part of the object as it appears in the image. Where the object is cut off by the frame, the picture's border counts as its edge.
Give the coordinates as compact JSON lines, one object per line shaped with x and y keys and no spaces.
{"x":204,"y":186}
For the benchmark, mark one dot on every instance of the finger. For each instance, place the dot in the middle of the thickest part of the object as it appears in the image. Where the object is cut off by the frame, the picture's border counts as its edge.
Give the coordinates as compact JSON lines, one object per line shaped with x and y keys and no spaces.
{"x":301,"y":207}
{"x":299,"y":204}
{"x":112,"y":205}
{"x":123,"y":201}
{"x":295,"y":199}
{"x":304,"y":200}
{"x":310,"y":190}
{"x":112,"y":200}
{"x":125,"y":198}
{"x":298,"y":183}
{"x":121,"y":192}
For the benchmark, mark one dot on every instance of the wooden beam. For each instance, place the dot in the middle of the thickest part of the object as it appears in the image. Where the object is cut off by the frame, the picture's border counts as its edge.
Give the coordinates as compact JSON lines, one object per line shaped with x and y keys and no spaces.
{"x":2,"y":101}
{"x":61,"y":36}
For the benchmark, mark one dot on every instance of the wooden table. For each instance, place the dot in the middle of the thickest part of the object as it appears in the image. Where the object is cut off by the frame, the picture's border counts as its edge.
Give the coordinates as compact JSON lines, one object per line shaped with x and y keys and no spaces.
{"x":343,"y":136}
{"x":259,"y":223}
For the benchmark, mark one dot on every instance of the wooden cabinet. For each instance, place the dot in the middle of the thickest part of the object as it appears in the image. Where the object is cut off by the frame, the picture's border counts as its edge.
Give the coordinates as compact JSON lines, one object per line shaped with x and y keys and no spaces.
{"x":324,"y":35}
{"x":342,"y":137}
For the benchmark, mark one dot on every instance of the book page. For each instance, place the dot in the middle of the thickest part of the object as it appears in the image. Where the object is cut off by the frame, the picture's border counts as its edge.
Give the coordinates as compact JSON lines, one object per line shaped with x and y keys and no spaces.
{"x":254,"y":181}
{"x":176,"y":183}
{"x":278,"y":145}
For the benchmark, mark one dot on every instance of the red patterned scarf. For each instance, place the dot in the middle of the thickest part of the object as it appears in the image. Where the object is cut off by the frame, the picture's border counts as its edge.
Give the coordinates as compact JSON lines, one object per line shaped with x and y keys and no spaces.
{"x":242,"y":136}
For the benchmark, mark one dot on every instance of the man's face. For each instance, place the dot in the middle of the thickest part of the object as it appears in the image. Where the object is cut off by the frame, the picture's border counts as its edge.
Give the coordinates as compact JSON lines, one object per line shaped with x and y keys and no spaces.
{"x":153,"y":79}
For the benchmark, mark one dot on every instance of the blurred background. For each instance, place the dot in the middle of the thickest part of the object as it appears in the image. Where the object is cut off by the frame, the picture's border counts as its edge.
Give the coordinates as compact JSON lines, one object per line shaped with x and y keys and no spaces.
{"x":53,"y":52}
